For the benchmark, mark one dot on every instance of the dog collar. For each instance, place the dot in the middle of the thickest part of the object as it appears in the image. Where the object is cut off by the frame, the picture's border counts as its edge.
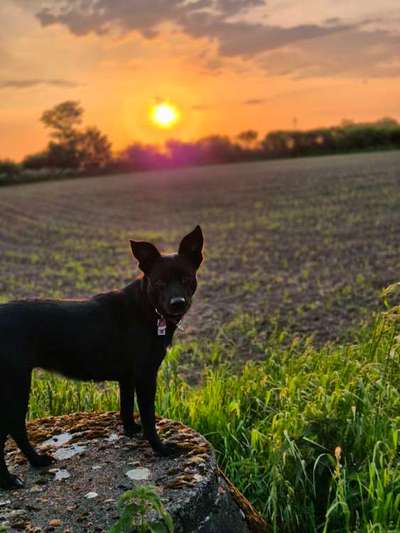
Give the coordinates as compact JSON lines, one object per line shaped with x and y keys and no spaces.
{"x":162,"y":323}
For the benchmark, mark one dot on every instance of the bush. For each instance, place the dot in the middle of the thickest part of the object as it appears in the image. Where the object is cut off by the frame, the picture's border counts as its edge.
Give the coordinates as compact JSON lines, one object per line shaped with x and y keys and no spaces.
{"x":9,"y":170}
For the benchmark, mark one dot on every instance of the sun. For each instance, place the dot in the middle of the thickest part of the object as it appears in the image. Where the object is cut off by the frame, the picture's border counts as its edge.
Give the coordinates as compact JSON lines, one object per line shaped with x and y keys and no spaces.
{"x":164,"y":115}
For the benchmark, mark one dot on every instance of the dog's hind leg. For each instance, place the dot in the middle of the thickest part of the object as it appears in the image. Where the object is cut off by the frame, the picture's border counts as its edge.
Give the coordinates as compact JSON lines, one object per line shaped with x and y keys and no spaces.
{"x":7,"y":480}
{"x":18,"y":426}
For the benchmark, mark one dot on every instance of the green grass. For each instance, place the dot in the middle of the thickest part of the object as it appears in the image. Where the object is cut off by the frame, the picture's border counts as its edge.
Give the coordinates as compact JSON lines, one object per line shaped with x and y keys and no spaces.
{"x":310,"y":435}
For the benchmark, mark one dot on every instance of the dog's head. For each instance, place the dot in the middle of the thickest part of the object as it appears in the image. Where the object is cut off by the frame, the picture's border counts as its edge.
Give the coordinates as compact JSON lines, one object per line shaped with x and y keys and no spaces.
{"x":171,"y":279}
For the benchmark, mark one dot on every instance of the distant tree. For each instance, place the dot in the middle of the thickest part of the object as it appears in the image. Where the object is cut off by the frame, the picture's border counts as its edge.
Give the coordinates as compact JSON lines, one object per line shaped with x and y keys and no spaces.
{"x":36,"y":161}
{"x":276,"y":144}
{"x":64,"y":119}
{"x":63,"y":156}
{"x":387,"y":122}
{"x":8,"y":170}
{"x":144,"y":157}
{"x":346,"y":123}
{"x":183,"y":153}
{"x":248,"y":138}
{"x":320,"y":141}
{"x":71,"y":148}
{"x":218,"y":149}
{"x":94,"y":150}
{"x":74,"y":149}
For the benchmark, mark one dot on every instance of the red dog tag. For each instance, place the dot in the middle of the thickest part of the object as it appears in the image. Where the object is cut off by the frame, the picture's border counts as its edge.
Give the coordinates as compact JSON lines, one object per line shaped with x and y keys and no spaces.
{"x":161,"y":327}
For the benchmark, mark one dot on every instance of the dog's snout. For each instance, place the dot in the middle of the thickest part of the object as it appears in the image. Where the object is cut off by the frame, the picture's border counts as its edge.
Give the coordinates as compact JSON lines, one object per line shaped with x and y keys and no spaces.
{"x":177,"y":305}
{"x":177,"y":301}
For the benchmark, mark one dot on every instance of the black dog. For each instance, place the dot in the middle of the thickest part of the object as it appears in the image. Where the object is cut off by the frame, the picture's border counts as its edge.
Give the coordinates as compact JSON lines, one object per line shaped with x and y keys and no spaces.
{"x":121,"y":336}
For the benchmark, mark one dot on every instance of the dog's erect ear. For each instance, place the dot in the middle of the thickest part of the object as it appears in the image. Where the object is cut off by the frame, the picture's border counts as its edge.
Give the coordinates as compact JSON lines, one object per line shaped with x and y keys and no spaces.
{"x":146,"y":253}
{"x":191,"y":247}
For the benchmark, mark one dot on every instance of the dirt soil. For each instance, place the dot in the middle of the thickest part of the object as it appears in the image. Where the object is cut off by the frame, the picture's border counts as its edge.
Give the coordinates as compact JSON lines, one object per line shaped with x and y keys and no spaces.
{"x":308,"y":243}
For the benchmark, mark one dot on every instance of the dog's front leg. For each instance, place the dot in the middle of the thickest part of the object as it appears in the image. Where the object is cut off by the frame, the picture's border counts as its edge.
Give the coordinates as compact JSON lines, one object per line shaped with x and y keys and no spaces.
{"x":127,"y":398}
{"x":146,"y":394}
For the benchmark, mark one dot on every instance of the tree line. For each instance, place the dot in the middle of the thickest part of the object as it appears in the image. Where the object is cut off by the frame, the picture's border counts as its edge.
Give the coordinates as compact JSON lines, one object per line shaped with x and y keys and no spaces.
{"x":74,"y":150}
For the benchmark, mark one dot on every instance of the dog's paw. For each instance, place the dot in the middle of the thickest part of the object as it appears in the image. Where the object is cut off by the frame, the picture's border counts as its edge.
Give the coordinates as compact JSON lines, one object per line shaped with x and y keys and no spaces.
{"x":40,"y":461}
{"x":132,"y":429}
{"x":11,"y":483}
{"x":168,"y":449}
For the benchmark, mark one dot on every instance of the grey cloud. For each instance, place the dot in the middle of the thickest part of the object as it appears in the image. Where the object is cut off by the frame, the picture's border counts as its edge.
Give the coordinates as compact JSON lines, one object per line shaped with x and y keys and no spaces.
{"x":99,"y":16}
{"x":199,"y":18}
{"x":333,"y":47}
{"x":28,"y":83}
{"x":246,"y":39}
{"x":254,"y":101}
{"x":333,"y":20}
{"x":233,"y":7}
{"x":353,"y":54}
{"x":200,"y":107}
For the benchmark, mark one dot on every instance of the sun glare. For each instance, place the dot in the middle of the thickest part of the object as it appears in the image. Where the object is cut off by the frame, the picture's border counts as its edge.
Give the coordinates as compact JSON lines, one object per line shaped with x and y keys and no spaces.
{"x":164,"y":115}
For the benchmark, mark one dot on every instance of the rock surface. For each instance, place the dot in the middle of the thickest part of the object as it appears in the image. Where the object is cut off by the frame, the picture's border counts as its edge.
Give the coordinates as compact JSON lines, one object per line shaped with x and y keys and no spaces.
{"x":95,"y":463}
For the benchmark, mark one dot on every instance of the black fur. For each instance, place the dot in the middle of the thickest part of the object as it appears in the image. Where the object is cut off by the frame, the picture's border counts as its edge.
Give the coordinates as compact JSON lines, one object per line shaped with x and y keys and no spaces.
{"x":112,"y":336}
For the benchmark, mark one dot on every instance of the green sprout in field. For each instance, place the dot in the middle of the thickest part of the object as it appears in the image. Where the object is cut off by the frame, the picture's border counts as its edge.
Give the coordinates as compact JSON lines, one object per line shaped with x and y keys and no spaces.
{"x":134,"y":505}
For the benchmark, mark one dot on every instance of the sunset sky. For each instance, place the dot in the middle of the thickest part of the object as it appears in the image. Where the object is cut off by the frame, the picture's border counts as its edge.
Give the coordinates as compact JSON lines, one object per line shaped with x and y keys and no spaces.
{"x":227,"y":65}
